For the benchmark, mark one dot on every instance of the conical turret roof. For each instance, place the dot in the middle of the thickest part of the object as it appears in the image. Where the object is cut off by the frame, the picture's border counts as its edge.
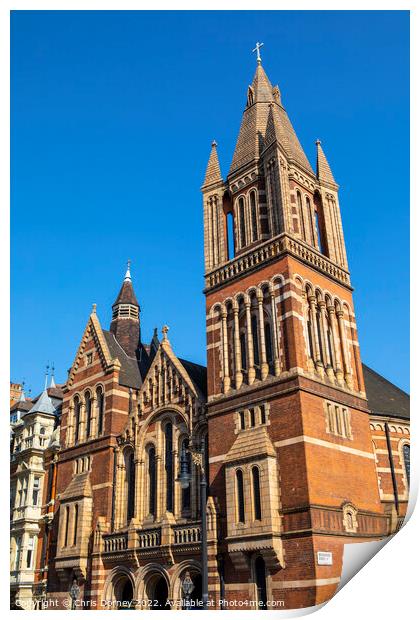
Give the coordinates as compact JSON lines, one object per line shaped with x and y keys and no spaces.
{"x":323,"y":170}
{"x":213,"y":174}
{"x":126,"y":294}
{"x":44,"y":404}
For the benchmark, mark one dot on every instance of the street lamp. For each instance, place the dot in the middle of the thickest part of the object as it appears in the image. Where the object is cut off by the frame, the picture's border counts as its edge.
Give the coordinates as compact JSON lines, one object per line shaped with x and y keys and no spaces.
{"x":184,"y":479}
{"x":74,"y":593}
{"x":187,"y":588}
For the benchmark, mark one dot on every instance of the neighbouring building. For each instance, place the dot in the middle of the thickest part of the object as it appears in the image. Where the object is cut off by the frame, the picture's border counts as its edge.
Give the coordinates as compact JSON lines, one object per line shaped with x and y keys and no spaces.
{"x":306,"y":449}
{"x":32,"y":425}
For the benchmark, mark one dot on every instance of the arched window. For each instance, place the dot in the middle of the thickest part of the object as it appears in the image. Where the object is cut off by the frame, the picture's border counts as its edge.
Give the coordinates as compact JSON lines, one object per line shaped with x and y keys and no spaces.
{"x":256,"y":491}
{"x":261,"y":583}
{"x":66,"y":526}
{"x":338,"y":421}
{"x":252,"y":417}
{"x":76,"y":519}
{"x":320,"y":224}
{"x":88,"y":405}
{"x":254,"y":217}
{"x":254,"y":328}
{"x":76,"y":419}
{"x":186,"y":493}
{"x":319,"y":337}
{"x":169,"y":467}
{"x":349,"y":520}
{"x":240,"y":496}
{"x":301,"y":218}
{"x":406,"y":454}
{"x":151,"y":458}
{"x":100,"y":402}
{"x":130,"y":482}
{"x":268,"y":343}
{"x":242,"y":420}
{"x":230,"y":232}
{"x":241,"y":215}
{"x":242,"y":340}
{"x":309,"y":211}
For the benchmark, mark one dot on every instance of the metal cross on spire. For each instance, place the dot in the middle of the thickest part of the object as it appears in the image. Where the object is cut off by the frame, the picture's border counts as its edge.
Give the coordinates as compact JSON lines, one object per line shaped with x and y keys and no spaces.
{"x":257,"y":49}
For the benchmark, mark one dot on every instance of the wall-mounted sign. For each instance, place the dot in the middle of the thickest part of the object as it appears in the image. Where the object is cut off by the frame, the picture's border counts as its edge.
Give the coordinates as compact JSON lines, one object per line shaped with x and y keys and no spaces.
{"x":324,"y":558}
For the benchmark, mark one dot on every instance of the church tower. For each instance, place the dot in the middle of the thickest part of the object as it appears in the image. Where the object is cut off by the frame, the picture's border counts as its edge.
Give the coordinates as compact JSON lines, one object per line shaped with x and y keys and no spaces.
{"x":290,"y":453}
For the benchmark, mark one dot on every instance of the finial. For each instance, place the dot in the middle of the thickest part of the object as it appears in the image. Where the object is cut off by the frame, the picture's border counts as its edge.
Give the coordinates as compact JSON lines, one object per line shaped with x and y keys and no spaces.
{"x":22,"y":392}
{"x":165,"y":330}
{"x":127,"y":273}
{"x":52,"y":382}
{"x":257,"y":49}
{"x":214,"y":144}
{"x":93,"y":309}
{"x":318,"y":142}
{"x":47,"y":368}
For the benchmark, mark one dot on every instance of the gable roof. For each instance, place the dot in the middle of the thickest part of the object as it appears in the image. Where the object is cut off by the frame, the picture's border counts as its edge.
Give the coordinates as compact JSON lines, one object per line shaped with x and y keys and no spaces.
{"x":197,"y":373}
{"x":130,"y":374}
{"x":385,"y":398}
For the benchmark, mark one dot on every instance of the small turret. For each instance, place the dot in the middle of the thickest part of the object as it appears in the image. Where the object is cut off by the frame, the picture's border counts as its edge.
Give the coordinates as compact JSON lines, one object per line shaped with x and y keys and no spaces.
{"x":125,"y":324}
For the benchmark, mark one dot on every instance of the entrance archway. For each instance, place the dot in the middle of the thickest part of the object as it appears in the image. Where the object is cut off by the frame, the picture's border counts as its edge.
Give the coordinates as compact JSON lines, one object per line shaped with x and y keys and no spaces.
{"x":159,"y":594}
{"x":124,"y":593}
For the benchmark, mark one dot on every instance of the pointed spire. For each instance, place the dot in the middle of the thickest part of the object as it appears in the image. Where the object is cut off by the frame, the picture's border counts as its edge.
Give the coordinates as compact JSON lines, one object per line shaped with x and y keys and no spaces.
{"x":323,"y":170}
{"x":261,"y":87}
{"x":52,"y":382}
{"x":47,"y":368}
{"x":213,"y":173}
{"x":126,"y":294}
{"x":22,"y":397}
{"x":127,"y":273}
{"x":44,"y":403}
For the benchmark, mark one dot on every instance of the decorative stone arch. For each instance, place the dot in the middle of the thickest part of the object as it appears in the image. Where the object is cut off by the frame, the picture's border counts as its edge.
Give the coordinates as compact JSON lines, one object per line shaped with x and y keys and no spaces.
{"x":350,"y":518}
{"x":154,"y":417}
{"x":194,"y":568}
{"x":114,"y":583}
{"x":146,"y":579}
{"x":251,"y":290}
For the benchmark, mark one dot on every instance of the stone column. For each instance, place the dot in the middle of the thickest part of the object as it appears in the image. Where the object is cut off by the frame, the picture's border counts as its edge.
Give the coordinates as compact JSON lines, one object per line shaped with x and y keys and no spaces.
{"x":237,"y":347}
{"x":263,"y":353}
{"x":70,"y":426}
{"x":138,"y":464}
{"x":226,"y":378}
{"x":314,"y":328}
{"x":343,"y":338}
{"x":338,"y":370}
{"x":82,"y":423}
{"x":324,"y":336}
{"x":310,"y":336}
{"x":93,"y":416}
{"x":250,"y":342}
{"x":160,"y":487}
{"x":276,"y":352}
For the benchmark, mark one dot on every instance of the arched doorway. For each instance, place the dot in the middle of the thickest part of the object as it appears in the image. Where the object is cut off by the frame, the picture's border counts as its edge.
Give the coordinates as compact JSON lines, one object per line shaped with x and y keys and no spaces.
{"x":159,"y":594}
{"x":197,"y":593}
{"x":261,"y":583}
{"x":124,"y":593}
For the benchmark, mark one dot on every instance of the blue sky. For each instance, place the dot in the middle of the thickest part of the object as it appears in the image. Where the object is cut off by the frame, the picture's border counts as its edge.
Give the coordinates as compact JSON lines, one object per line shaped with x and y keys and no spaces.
{"x":113,"y":114}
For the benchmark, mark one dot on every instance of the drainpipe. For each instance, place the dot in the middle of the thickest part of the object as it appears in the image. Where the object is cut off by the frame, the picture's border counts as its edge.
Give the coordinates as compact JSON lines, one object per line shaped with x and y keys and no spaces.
{"x":391,"y":463}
